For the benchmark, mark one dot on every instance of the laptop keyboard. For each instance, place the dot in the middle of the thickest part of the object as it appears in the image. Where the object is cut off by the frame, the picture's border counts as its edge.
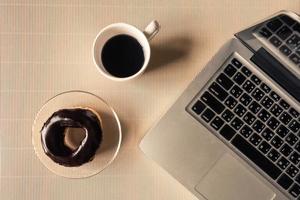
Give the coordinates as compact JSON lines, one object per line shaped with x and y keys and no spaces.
{"x":283,"y":33}
{"x":253,"y":120}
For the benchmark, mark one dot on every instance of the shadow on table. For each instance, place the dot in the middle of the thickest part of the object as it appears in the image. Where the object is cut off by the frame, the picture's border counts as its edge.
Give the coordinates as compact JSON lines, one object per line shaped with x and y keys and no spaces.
{"x":169,"y":51}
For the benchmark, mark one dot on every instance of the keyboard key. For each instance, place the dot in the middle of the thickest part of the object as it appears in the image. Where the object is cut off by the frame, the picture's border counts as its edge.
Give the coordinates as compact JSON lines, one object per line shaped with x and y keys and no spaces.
{"x":295,"y":190}
{"x":240,"y":110}
{"x":230,"y":102}
{"x":245,"y":99}
{"x":294,"y":112}
{"x":292,"y":171}
{"x":265,"y":32}
{"x":289,"y":21}
{"x":255,"y":139}
{"x":265,"y":88}
{"x":254,"y":107}
{"x":198,"y":107}
{"x":273,"y":155}
{"x":256,"y":157}
{"x":285,"y":118}
{"x":239,"y":78}
{"x":274,"y":96}
{"x":297,"y":179}
{"x":224,"y":81}
{"x":295,"y":158}
{"x":230,"y":70}
{"x":296,"y":27}
{"x":273,"y":123}
{"x":285,"y":50}
{"x":218,"y":91}
{"x":282,"y":131}
{"x":248,"y":86}
{"x":255,"y":79}
{"x":267,"y":102}
{"x":267,"y":134}
{"x":249,"y":118}
{"x":264,"y":115}
{"x":286,"y":150}
{"x":284,"y":104}
{"x":217,"y":123}
{"x":293,"y":41}
{"x":275,"y":41}
{"x":207,"y":115}
{"x":274,"y":24}
{"x":284,"y":32}
{"x":297,"y":147}
{"x":298,"y":51}
{"x":246,"y":71}
{"x":237,"y":123}
{"x":227,"y":132}
{"x":285,"y":181}
{"x":283,"y":163}
{"x":236,"y":91}
{"x":264,"y":147}
{"x":276,"y":110}
{"x":294,"y":126}
{"x":291,"y":139}
{"x":258,"y":126}
{"x":257,"y":94}
{"x":295,"y":59}
{"x":246,"y":131}
{"x":227,"y":115}
{"x":236,"y":63}
{"x":212,"y":102}
{"x":276,"y":142}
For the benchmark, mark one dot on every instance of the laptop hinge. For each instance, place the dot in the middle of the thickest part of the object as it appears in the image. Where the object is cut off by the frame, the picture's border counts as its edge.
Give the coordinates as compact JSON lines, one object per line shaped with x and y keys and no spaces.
{"x":244,"y":43}
{"x":278,"y":72}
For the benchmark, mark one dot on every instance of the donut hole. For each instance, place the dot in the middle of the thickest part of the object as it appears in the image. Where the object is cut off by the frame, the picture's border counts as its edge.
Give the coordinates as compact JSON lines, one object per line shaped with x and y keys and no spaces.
{"x":74,"y":137}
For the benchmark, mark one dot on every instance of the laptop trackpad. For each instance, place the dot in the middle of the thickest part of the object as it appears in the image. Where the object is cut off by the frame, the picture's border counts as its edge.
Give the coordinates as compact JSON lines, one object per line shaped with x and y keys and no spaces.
{"x":230,"y":180}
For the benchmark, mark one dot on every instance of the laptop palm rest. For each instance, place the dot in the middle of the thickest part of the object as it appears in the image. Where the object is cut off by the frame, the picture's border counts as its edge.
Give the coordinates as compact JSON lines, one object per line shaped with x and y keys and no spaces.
{"x":235,"y":182}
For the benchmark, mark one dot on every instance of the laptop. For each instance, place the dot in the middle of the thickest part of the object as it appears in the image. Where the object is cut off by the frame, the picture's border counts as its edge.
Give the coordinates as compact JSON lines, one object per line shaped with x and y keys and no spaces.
{"x":234,"y":133}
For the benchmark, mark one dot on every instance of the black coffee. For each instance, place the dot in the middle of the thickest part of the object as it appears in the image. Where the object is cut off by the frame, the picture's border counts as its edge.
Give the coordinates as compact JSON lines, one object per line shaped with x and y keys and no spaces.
{"x":122,"y":56}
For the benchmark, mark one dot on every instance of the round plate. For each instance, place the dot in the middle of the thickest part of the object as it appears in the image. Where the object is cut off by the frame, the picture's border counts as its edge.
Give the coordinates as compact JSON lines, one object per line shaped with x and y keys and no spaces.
{"x":111,"y":126}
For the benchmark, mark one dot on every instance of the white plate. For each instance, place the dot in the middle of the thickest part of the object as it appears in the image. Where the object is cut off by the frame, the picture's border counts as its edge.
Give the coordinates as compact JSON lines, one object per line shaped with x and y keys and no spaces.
{"x":112,"y":134}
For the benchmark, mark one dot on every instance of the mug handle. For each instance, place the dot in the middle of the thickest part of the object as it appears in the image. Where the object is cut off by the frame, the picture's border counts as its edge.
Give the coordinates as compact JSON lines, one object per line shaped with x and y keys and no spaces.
{"x":151,"y":29}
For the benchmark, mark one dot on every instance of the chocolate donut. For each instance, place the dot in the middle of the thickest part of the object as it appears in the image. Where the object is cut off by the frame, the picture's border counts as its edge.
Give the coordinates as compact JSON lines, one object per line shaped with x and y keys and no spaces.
{"x":53,"y":136}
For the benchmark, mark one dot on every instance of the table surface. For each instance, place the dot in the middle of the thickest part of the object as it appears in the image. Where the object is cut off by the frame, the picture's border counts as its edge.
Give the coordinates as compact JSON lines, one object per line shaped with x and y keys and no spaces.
{"x":46,"y":49}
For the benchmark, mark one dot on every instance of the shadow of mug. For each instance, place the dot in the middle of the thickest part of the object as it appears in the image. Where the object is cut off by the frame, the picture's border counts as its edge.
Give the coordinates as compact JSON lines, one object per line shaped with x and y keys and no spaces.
{"x":169,"y":51}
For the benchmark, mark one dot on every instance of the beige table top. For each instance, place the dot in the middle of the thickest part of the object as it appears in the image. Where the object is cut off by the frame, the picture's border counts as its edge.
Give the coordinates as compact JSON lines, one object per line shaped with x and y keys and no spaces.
{"x":46,"y":49}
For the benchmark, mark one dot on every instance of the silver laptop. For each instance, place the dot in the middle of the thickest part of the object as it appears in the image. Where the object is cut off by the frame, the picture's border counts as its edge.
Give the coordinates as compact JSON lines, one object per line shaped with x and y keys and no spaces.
{"x":234,"y":133}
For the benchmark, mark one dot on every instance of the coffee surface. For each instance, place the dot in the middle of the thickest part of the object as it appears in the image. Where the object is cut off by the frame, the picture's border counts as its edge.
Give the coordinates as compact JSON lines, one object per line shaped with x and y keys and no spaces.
{"x":122,"y":56}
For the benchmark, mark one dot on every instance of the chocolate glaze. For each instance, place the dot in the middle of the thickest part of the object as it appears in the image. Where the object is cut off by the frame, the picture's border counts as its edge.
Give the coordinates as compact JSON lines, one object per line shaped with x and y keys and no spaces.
{"x":53,"y":133}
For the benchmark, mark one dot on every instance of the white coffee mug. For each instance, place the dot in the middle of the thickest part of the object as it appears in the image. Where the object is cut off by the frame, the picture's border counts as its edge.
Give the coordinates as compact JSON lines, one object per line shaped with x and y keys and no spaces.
{"x":143,"y":37}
